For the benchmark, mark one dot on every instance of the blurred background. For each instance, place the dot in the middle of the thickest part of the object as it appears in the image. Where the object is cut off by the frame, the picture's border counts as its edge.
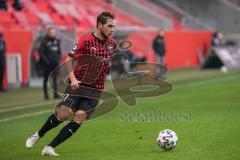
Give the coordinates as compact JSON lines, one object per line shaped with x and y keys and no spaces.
{"x":197,"y":40}
{"x":189,"y":28}
{"x":191,"y":31}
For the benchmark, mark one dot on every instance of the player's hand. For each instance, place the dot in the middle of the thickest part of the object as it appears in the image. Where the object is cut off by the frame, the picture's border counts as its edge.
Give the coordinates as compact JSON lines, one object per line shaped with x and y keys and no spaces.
{"x":75,"y":84}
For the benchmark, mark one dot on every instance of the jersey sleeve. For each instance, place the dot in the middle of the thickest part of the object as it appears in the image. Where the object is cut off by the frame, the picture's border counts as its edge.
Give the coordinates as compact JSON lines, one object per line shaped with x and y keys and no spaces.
{"x":78,"y":49}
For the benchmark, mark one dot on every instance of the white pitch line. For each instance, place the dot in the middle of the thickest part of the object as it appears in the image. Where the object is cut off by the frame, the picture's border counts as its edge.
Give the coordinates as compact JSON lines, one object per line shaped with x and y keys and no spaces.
{"x":26,"y":115}
{"x":26,"y":106}
{"x":184,"y":85}
{"x":178,"y":86}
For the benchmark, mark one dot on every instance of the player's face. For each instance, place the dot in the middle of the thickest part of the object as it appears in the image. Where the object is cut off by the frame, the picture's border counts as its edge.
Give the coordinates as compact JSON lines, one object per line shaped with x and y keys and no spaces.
{"x":52,"y":33}
{"x":108,"y":28}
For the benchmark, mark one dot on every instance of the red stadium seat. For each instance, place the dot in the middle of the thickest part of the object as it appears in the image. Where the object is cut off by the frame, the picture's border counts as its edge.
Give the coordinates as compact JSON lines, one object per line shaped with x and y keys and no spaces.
{"x":58,"y":19}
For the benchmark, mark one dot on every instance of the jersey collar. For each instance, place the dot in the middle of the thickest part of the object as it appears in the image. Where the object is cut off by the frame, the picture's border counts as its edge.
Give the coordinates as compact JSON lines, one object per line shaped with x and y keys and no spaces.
{"x":102,"y":41}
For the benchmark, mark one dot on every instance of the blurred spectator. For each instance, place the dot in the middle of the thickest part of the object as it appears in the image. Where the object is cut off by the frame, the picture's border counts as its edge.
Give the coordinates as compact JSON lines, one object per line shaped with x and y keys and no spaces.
{"x":37,"y":69}
{"x":17,"y":5}
{"x":3,"y":5}
{"x":50,"y":53}
{"x":108,"y":1}
{"x":159,"y":49}
{"x":124,"y":60}
{"x":119,"y":65}
{"x":132,"y":59}
{"x":2,"y":60}
{"x":217,"y":39}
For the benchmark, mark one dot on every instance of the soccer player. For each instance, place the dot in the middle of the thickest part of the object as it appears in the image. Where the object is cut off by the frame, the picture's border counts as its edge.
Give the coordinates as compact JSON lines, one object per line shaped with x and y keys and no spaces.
{"x":100,"y":45}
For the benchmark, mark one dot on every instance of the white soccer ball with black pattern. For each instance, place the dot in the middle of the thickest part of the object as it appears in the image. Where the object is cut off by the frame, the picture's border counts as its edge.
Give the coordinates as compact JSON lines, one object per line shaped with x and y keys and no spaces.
{"x":167,"y":139}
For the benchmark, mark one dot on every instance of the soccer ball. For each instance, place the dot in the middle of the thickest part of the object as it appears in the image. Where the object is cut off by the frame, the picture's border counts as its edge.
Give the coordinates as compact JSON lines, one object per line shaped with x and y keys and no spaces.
{"x":167,"y":139}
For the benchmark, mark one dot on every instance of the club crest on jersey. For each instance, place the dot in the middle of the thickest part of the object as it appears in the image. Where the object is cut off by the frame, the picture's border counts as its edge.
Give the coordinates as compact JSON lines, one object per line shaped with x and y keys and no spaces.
{"x":110,"y":48}
{"x":75,"y":48}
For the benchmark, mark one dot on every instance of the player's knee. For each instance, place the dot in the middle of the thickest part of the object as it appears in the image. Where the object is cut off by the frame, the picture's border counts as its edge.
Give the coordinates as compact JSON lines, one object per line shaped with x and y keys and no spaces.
{"x":63,"y":113}
{"x":80,"y":117}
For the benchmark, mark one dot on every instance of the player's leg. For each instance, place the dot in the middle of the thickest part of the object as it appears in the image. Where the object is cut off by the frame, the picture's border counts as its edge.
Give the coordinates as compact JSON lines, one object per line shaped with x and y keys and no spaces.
{"x":82,"y":113}
{"x":53,"y":121}
{"x":67,"y":105}
{"x":68,"y":130}
{"x":64,"y":111}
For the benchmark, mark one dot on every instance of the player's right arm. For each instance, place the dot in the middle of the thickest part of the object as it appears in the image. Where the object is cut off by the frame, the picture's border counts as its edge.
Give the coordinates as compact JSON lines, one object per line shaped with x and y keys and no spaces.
{"x":74,"y":54}
{"x":74,"y":83}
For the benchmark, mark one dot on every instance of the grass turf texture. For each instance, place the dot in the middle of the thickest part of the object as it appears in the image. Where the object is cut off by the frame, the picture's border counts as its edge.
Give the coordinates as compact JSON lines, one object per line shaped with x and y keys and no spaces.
{"x":211,"y":133}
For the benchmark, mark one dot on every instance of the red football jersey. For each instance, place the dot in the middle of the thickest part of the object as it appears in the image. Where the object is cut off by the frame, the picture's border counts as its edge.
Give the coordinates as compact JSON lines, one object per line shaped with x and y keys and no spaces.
{"x":94,"y":57}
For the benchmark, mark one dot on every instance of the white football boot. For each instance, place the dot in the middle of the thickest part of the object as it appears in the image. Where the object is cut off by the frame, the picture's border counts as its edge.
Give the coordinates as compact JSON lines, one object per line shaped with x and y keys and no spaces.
{"x":32,"y":140}
{"x":49,"y":151}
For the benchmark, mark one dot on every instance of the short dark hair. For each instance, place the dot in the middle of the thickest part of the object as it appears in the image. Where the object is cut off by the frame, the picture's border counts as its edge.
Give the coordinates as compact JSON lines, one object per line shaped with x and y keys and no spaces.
{"x":103,"y":17}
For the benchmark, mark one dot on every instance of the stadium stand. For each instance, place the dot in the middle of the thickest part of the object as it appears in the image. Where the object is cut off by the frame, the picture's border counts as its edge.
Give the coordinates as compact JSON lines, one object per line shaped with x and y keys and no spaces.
{"x":78,"y":17}
{"x":218,"y":14}
{"x":60,"y":13}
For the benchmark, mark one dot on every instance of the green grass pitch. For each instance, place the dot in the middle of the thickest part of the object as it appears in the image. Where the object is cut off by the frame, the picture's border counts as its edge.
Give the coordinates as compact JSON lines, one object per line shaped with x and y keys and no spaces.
{"x":208,"y":125}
